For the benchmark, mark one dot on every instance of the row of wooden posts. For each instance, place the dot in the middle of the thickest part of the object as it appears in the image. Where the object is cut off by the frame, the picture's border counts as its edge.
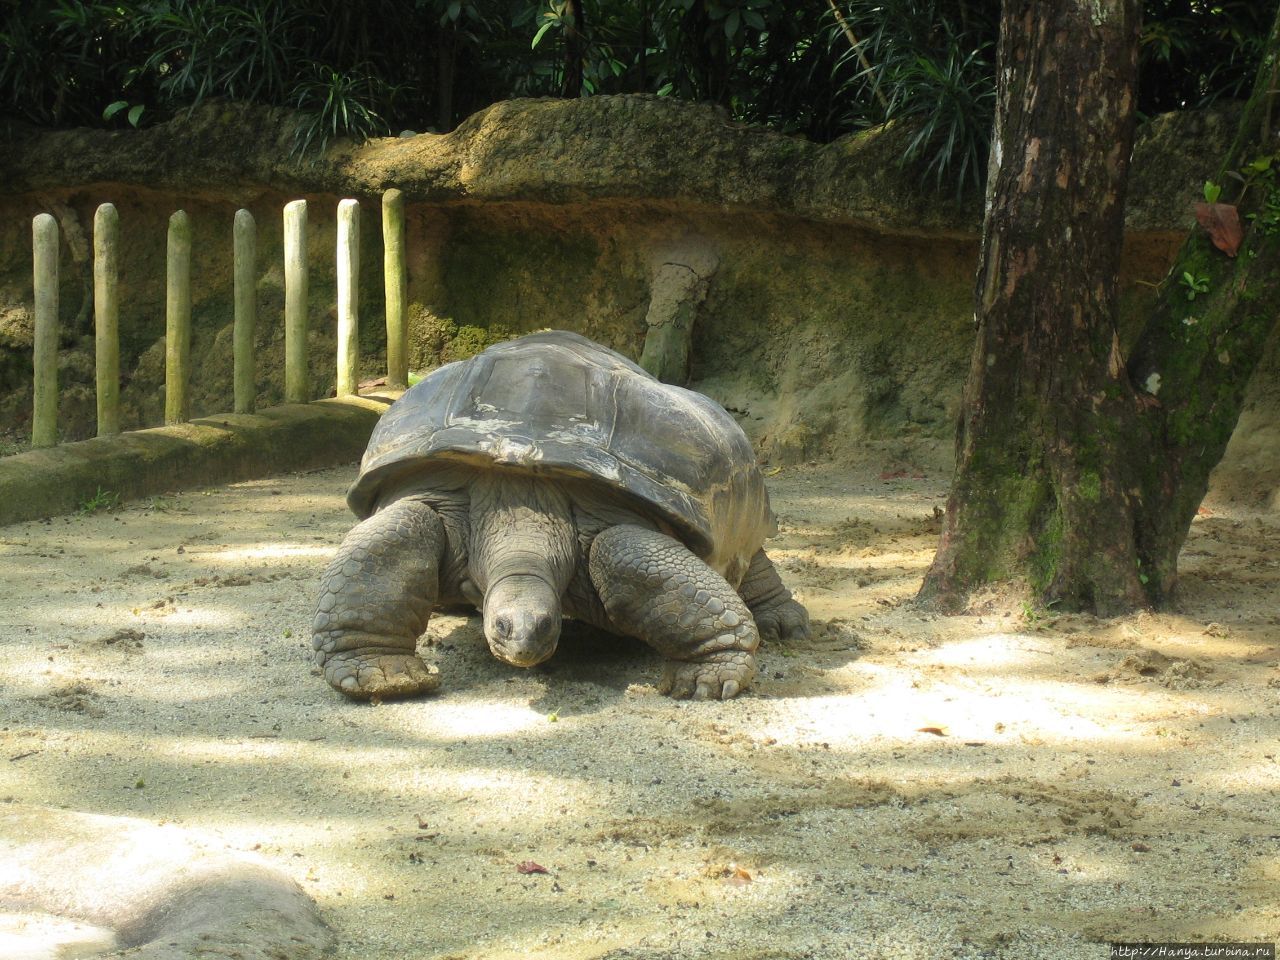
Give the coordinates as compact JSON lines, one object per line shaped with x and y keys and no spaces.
{"x":177,"y":403}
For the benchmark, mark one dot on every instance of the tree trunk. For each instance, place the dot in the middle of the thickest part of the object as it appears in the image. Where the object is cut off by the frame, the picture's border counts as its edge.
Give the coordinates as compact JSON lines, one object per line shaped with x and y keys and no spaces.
{"x":574,"y":47}
{"x":702,"y":59}
{"x":1076,"y":470}
{"x":1195,"y":357}
{"x":1038,"y":480}
{"x":644,"y":47}
{"x":446,"y":74}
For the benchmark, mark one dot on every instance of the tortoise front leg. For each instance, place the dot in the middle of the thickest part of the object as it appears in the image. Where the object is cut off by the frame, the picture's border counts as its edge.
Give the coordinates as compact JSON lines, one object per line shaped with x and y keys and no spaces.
{"x":778,"y":615}
{"x":375,"y":600}
{"x":655,"y":589}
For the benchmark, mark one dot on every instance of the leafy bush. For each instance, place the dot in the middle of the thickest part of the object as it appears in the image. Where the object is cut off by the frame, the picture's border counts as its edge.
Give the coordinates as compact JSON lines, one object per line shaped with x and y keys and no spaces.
{"x":1194,"y":54}
{"x":931,"y":64}
{"x":201,"y":48}
{"x":820,"y":68}
{"x":339,"y":104}
{"x":58,"y":59}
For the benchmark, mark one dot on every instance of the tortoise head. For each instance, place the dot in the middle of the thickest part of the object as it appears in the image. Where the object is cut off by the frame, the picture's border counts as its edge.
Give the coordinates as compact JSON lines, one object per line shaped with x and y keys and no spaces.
{"x":523,"y":550}
{"x":522,"y":620}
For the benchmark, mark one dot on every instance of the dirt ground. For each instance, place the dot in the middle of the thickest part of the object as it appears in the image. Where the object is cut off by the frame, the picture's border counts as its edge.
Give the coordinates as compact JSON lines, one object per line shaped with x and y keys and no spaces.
{"x":1007,"y":783}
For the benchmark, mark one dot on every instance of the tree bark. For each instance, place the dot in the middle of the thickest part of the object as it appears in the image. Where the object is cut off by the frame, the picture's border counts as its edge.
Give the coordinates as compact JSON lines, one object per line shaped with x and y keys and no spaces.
{"x":446,"y":74}
{"x":1076,"y":470}
{"x":644,"y":47}
{"x":1194,"y":359}
{"x":574,"y":48}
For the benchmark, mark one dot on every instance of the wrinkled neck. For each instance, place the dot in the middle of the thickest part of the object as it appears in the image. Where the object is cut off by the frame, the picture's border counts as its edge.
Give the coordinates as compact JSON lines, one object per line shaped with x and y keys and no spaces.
{"x":521,"y":526}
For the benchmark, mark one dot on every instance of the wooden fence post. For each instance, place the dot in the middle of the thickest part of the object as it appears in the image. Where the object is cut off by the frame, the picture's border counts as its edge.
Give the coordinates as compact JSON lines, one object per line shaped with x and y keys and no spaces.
{"x":396,"y":281}
{"x":106,"y":316}
{"x":297,"y":388}
{"x":244,"y":255}
{"x":177,"y":361}
{"x":348,"y":297}
{"x":44,"y":414}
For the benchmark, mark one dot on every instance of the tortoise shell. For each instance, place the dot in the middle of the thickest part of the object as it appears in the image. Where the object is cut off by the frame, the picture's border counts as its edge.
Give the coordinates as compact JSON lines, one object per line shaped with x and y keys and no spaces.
{"x":556,"y":404}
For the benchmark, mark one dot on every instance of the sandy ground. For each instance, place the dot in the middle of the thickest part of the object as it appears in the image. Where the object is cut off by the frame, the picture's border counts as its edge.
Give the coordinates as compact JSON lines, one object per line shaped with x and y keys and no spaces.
{"x":1009,"y":783}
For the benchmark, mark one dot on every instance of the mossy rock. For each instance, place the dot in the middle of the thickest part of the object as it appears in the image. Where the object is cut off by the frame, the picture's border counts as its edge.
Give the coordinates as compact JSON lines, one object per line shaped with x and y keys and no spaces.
{"x":469,"y":341}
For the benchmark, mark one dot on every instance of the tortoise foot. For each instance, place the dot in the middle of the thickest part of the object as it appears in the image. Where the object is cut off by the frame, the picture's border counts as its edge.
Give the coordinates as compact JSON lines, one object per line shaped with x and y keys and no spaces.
{"x":783,"y":621}
{"x":380,"y":676}
{"x":718,"y":676}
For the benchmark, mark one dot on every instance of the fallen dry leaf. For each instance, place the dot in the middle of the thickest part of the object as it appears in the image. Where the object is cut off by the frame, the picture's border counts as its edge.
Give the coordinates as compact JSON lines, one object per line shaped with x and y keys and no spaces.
{"x":1222,"y":222}
{"x":528,"y":866}
{"x":936,"y":731}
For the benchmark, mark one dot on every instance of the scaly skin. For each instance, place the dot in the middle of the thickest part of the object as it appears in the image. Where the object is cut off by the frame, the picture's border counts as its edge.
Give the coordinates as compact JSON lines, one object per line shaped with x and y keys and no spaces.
{"x":655,"y":589}
{"x":777,"y":614}
{"x":375,"y":600}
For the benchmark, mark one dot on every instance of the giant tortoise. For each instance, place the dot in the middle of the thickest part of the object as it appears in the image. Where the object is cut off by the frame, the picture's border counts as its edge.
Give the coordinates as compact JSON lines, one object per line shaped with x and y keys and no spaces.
{"x":550,"y":477}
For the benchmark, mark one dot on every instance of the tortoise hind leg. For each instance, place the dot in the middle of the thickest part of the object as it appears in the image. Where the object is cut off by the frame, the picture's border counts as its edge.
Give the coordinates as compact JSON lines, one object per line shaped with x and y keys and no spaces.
{"x":655,"y":589}
{"x":778,"y":615}
{"x":375,"y":599}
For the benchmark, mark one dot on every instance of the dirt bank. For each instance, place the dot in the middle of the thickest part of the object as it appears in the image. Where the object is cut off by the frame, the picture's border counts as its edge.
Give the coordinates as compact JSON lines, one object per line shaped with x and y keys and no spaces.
{"x":840,"y":312}
{"x":1008,"y":783}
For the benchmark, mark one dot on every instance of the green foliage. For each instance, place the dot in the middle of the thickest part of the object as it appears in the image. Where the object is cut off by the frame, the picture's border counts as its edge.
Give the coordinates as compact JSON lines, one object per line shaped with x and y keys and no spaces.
{"x":931,"y":64}
{"x":1212,"y":191}
{"x":1267,"y":219}
{"x":62,"y":62}
{"x":1036,"y":615}
{"x":134,"y":114}
{"x":820,"y":69}
{"x":202,"y":48}
{"x":1261,"y":173}
{"x":102,"y":500}
{"x":11,"y":444}
{"x":1258,"y":166}
{"x":1194,"y":54}
{"x":339,"y":104}
{"x":1194,"y":283}
{"x":556,"y":17}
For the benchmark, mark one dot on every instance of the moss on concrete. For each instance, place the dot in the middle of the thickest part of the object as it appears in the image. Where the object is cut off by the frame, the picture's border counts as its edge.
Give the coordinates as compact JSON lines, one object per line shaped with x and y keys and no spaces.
{"x":222,"y":449}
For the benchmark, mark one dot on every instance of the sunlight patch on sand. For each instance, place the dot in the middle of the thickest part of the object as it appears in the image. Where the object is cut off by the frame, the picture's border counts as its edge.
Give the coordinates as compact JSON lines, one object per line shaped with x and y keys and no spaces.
{"x":465,"y":720}
{"x":43,"y":936}
{"x":272,"y":551}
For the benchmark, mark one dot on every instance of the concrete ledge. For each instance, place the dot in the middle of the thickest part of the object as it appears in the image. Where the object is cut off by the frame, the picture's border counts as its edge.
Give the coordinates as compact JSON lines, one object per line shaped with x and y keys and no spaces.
{"x":212,"y":450}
